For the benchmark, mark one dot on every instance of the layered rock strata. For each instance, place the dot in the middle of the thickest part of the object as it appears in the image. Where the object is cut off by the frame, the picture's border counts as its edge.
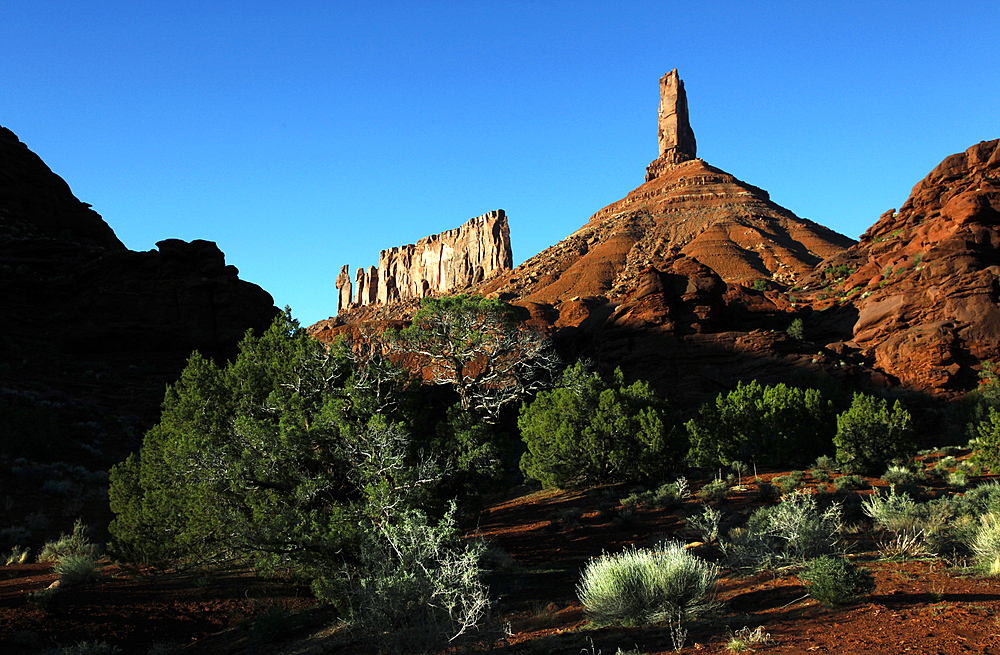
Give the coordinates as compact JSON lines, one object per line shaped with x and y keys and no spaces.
{"x":687,"y":208}
{"x":925,"y":281}
{"x":441,"y":263}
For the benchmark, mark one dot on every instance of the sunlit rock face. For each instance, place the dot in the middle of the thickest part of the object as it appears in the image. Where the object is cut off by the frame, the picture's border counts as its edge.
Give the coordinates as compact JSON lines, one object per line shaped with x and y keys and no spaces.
{"x":440,"y":263}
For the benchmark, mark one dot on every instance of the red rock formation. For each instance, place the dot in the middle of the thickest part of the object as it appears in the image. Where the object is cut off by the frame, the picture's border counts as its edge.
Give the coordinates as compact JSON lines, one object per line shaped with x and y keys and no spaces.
{"x":686,"y":208}
{"x":926,"y":280}
{"x":343,"y":286}
{"x":676,"y":138}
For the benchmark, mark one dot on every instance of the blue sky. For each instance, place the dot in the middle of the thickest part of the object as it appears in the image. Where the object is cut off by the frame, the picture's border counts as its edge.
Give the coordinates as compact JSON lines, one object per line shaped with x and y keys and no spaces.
{"x":301,"y":136}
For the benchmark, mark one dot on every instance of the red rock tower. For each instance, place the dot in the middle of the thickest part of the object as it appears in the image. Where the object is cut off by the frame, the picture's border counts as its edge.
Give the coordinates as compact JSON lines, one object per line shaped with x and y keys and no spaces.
{"x":676,"y":138}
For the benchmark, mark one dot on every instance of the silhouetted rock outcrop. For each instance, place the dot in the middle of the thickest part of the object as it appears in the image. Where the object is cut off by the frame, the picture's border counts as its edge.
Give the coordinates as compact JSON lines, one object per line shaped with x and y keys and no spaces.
{"x":74,"y":299}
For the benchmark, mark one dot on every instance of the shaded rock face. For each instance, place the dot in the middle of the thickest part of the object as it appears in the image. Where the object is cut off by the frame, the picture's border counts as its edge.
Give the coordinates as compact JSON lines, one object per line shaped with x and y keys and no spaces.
{"x":441,"y":263}
{"x":76,"y":300}
{"x":37,"y":203}
{"x":926,"y":279}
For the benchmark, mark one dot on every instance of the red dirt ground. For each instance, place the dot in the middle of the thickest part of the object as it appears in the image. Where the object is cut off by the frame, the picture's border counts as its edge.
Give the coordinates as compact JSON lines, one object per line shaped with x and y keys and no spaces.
{"x":919,"y":606}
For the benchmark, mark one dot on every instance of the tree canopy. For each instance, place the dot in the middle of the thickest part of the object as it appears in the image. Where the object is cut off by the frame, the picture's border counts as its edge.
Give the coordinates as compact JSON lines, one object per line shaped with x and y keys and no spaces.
{"x":587,"y":431}
{"x":481,"y":347}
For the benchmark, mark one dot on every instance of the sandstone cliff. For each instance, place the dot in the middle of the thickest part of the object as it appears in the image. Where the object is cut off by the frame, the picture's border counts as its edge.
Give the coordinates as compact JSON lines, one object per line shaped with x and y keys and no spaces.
{"x":924,"y":282}
{"x":441,"y":263}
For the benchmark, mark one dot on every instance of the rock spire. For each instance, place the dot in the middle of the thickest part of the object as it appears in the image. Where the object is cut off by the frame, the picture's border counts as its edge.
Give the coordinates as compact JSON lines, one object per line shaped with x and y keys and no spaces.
{"x":676,"y":138}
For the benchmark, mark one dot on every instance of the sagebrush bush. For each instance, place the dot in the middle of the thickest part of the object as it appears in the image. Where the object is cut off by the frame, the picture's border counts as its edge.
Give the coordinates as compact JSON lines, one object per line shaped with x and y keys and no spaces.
{"x":18,"y":555}
{"x":75,"y":569}
{"x":424,"y":586}
{"x":836,"y":581}
{"x":793,"y":530}
{"x":641,"y":586}
{"x":714,"y":491}
{"x":894,"y":512}
{"x":986,"y":543}
{"x":899,"y":475}
{"x":76,"y":543}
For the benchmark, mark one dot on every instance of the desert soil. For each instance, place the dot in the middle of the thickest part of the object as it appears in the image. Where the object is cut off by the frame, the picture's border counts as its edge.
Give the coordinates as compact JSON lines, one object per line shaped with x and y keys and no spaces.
{"x":919,"y":606}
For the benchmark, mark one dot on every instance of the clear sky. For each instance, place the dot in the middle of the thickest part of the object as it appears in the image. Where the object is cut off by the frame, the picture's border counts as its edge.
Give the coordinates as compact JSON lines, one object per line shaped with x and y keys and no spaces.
{"x":301,"y":136}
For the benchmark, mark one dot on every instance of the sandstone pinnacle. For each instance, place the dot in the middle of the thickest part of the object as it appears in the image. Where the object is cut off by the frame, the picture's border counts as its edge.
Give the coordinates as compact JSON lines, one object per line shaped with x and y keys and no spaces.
{"x":676,"y":138}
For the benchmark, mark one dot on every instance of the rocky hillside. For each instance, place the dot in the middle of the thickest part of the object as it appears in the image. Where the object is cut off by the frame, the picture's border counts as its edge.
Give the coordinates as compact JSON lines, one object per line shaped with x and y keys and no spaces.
{"x":694,"y":278}
{"x":924,"y":281}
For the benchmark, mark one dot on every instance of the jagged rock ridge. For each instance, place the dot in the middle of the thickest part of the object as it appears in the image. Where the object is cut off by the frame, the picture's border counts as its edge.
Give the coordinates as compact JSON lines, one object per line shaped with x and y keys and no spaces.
{"x":440,"y":263}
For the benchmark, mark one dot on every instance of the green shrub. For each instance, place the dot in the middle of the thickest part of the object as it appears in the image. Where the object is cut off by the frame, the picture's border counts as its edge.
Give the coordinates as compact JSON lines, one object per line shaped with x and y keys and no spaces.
{"x":770,"y":426}
{"x":987,"y":447}
{"x":821,"y":475}
{"x":77,"y":543}
{"x":870,"y":436}
{"x":796,"y":330}
{"x":638,"y":586}
{"x":44,"y":599}
{"x":825,"y":462}
{"x":587,"y":432}
{"x":793,"y":530}
{"x":894,"y":512}
{"x":767,"y":492}
{"x":787,"y":483}
{"x":714,"y":491}
{"x":847,"y":482}
{"x":836,"y":581}
{"x":75,"y":569}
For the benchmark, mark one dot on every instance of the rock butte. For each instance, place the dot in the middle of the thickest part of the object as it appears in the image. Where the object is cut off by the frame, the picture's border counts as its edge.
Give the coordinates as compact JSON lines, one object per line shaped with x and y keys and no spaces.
{"x":441,"y":263}
{"x":661,"y":282}
{"x":685,"y":208}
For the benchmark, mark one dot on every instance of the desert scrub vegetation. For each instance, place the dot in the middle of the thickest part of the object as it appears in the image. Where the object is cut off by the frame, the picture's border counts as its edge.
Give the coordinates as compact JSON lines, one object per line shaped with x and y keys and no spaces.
{"x":642,"y":586}
{"x":835,"y":580}
{"x":794,"y":530}
{"x":75,"y":544}
{"x":75,"y":569}
{"x":423,"y":588}
{"x":587,"y":431}
{"x":321,"y":462}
